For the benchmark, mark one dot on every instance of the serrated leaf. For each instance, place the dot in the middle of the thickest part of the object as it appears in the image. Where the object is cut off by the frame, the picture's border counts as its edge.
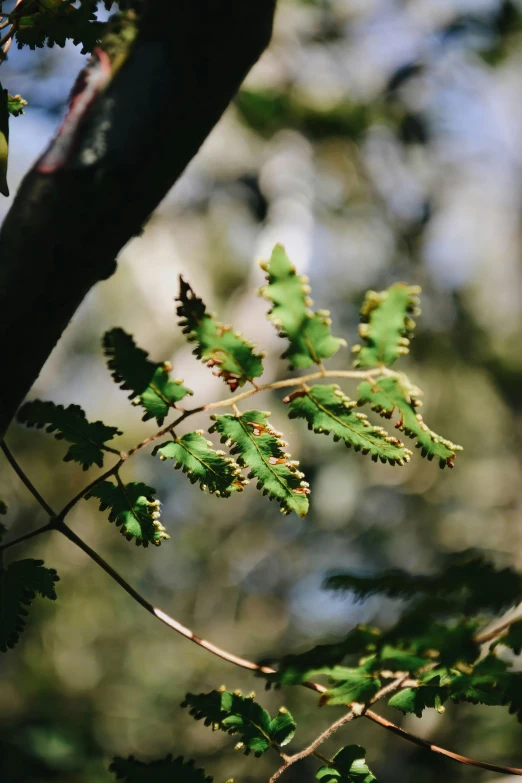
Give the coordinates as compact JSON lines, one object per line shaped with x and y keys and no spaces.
{"x":307,"y":332}
{"x":54,"y":22}
{"x":230,"y":355}
{"x":167,"y":770}
{"x":149,"y":382}
{"x":235,"y":714}
{"x":327,"y":410}
{"x":297,"y":668}
{"x":20,"y":583}
{"x":386,"y":325}
{"x":70,"y":424}
{"x":134,"y":509}
{"x":349,"y":766}
{"x":387,"y":394}
{"x":416,"y":700}
{"x":259,"y":447}
{"x":469,"y":582}
{"x":351,"y":685}
{"x":197,"y":458}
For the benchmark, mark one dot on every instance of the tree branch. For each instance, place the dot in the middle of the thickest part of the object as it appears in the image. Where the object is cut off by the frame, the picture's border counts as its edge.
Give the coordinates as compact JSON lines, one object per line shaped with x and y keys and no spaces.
{"x":67,"y":224}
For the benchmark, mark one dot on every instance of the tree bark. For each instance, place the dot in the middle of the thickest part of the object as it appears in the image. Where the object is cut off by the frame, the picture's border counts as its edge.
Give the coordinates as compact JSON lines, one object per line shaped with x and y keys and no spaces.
{"x":65,"y":228}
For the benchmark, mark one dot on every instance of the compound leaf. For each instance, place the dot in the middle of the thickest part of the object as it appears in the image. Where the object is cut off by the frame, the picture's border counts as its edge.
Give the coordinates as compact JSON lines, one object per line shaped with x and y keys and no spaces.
{"x":70,"y":424}
{"x":386,"y":325}
{"x":149,"y":382}
{"x":134,"y":509}
{"x":231,"y":356}
{"x":54,"y":22}
{"x":327,"y":410}
{"x":351,"y":685}
{"x":469,"y":582}
{"x":167,"y":770}
{"x":20,"y":583}
{"x":259,"y":447}
{"x":416,"y":700}
{"x":235,"y":714}
{"x":350,"y":767}
{"x":385,"y":395}
{"x":308,"y":333}
{"x":197,"y":458}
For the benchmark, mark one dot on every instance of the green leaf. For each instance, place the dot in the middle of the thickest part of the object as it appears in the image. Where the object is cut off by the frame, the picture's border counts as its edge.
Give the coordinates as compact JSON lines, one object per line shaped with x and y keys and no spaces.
{"x":351,"y":685}
{"x":51,"y":22}
{"x":4,"y":140}
{"x":349,"y":767}
{"x":386,"y":325}
{"x":416,"y":700}
{"x":16,"y":105}
{"x":235,"y":714}
{"x":196,"y":457}
{"x":134,"y":509}
{"x":327,"y":410}
{"x":231,"y":356}
{"x":20,"y":583}
{"x":167,"y":770}
{"x":149,"y":382}
{"x":259,"y":447}
{"x":70,"y":424}
{"x":387,"y":394}
{"x":468,"y":581}
{"x":308,"y":333}
{"x":295,"y":669}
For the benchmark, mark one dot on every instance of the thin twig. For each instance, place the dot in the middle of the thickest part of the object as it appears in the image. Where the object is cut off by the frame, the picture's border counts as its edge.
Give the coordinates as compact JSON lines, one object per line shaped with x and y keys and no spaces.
{"x":373,"y":716}
{"x":489,"y":636}
{"x":24,"y":479}
{"x":28,"y":536}
{"x":70,"y":505}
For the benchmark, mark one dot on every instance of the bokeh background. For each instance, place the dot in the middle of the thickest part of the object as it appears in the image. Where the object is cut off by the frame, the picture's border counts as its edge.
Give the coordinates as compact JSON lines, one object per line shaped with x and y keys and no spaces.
{"x":379,"y":140}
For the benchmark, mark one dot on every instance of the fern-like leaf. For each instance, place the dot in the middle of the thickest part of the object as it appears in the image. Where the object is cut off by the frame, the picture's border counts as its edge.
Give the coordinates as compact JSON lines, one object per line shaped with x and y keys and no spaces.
{"x":259,"y":447}
{"x":55,"y":22}
{"x":196,"y":457}
{"x":149,"y":382}
{"x":327,"y":410}
{"x":349,"y":766}
{"x":167,"y":770}
{"x":70,"y":424}
{"x":308,"y":333}
{"x":387,"y":394}
{"x":230,"y":356}
{"x":468,"y":582}
{"x":349,"y":685}
{"x":235,"y":714}
{"x":134,"y":509}
{"x":386,"y":325}
{"x":20,"y":583}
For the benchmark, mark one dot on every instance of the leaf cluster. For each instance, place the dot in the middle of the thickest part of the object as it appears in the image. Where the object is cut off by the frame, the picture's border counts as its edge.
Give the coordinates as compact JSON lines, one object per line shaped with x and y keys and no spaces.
{"x":20,"y":584}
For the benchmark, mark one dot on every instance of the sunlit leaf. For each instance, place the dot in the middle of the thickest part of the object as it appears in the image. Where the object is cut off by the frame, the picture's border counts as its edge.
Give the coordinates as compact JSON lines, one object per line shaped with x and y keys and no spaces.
{"x":229,"y":354}
{"x":196,"y":457}
{"x":385,"y":395}
{"x":386,"y":325}
{"x":149,"y":382}
{"x":70,"y":424}
{"x":351,"y":685}
{"x":134,"y":509}
{"x":257,"y":446}
{"x":308,"y":333}
{"x":20,"y":583}
{"x":235,"y":714}
{"x":327,"y":410}
{"x":349,"y":766}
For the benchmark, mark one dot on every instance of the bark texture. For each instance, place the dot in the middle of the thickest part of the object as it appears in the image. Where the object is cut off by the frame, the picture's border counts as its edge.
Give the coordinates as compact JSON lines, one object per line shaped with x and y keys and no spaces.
{"x":65,"y":229}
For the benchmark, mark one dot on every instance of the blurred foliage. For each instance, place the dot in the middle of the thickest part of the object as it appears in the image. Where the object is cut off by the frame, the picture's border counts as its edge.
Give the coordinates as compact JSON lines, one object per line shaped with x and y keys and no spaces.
{"x":380,"y":142}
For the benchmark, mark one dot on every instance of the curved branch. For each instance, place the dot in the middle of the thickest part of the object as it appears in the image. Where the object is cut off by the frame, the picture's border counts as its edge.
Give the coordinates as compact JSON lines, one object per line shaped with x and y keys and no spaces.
{"x":130,"y":144}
